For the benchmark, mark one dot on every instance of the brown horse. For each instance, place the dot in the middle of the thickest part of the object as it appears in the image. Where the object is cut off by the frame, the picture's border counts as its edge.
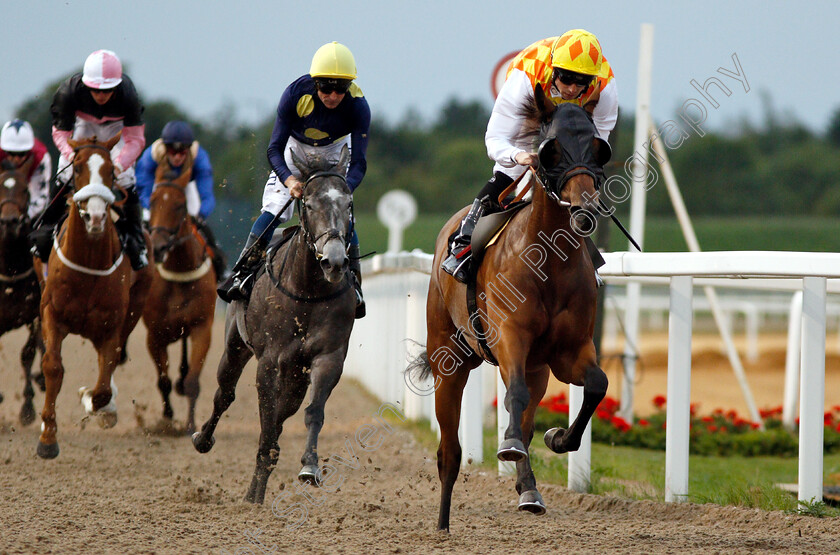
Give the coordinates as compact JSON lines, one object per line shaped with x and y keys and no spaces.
{"x":20,"y":293}
{"x":536,"y":304}
{"x":90,"y":289}
{"x":184,"y":289}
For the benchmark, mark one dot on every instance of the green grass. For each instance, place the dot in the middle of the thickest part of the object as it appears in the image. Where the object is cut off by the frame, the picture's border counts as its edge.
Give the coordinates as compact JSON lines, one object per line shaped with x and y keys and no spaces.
{"x":781,"y":233}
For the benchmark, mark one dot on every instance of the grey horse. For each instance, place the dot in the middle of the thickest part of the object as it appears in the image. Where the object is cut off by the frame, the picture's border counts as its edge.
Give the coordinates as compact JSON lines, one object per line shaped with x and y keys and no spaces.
{"x":297,"y":322}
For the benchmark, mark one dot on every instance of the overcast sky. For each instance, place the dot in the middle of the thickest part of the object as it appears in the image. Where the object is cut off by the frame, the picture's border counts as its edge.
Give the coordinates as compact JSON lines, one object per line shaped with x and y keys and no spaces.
{"x":205,"y":54}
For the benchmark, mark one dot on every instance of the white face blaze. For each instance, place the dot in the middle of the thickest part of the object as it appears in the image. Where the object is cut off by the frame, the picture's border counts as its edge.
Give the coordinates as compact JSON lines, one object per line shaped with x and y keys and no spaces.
{"x":94,"y":163}
{"x":10,"y":183}
{"x":334,"y":194}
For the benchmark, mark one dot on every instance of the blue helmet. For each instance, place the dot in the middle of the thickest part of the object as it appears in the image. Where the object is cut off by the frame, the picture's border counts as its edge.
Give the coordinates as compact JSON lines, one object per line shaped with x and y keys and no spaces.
{"x":177,"y":133}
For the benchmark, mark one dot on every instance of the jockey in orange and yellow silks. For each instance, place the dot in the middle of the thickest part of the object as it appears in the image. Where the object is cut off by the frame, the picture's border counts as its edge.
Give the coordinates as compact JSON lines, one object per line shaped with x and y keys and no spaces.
{"x":569,"y":68}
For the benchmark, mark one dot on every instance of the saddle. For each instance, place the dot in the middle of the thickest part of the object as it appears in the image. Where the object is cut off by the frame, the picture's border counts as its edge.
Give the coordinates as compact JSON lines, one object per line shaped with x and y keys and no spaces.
{"x":275,"y":243}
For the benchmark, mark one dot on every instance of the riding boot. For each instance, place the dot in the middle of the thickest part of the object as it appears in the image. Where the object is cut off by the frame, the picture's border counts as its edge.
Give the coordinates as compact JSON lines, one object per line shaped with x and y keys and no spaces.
{"x":130,"y":226}
{"x":238,"y":286}
{"x":356,"y":272}
{"x":219,"y":258}
{"x":457,"y":263}
{"x":41,"y":238}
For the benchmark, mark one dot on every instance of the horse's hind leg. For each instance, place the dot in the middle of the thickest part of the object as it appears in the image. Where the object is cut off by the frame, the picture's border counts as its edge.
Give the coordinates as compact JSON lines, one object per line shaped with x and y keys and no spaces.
{"x":233,"y":360}
{"x":101,"y":400}
{"x":526,"y":485}
{"x":27,"y":357}
{"x":594,"y":388}
{"x":157,"y":349}
{"x":200,"y":341}
{"x":326,"y":371}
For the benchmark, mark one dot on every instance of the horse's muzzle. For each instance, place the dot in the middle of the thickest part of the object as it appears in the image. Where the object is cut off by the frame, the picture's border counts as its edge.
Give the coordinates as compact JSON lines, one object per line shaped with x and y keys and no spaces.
{"x":583,"y":221}
{"x":334,"y":261}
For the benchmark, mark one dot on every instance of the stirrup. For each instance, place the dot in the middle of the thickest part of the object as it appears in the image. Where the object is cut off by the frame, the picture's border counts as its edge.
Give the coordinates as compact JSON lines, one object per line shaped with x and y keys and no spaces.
{"x":458,"y":267}
{"x":599,"y":281}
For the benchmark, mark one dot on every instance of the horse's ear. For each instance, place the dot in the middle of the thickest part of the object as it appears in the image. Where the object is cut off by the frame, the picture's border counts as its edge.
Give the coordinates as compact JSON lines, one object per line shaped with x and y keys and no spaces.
{"x":184,"y":179}
{"x":601,"y":150}
{"x":544,"y":105}
{"x":109,"y":144}
{"x":301,"y":164}
{"x":550,"y":154}
{"x":343,"y":160}
{"x":73,"y":143}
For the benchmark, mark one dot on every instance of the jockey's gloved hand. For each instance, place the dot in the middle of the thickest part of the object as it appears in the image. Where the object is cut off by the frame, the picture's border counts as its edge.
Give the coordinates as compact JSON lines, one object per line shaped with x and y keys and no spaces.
{"x":146,"y":215}
{"x":125,"y":180}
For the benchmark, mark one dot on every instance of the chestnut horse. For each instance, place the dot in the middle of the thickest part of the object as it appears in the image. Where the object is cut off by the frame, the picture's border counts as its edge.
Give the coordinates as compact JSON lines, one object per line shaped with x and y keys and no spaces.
{"x":536,"y":304}
{"x":184,"y":290}
{"x":90,"y":289}
{"x":20,"y":293}
{"x":297,"y":323}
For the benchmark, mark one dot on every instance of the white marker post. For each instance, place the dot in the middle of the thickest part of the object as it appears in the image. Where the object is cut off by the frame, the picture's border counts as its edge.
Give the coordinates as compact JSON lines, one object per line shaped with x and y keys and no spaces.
{"x":396,"y":210}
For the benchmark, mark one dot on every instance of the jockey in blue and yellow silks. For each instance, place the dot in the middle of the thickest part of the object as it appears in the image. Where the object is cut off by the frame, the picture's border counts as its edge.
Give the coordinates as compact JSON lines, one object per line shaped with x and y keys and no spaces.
{"x":319,"y":113}
{"x":569,"y":68}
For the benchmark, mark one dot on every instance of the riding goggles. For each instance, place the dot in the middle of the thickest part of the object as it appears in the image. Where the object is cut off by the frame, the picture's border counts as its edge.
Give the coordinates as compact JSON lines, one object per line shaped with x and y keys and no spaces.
{"x":572,"y":78}
{"x":329,"y":86}
{"x":23,"y":154}
{"x":177,"y":148}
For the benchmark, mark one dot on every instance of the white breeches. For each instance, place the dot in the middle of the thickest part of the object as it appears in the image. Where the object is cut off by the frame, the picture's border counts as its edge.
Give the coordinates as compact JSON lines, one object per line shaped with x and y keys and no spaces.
{"x":276,"y":194}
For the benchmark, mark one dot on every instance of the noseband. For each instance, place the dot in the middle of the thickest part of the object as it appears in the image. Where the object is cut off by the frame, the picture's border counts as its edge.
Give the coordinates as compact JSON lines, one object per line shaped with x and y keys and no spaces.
{"x":304,"y":221}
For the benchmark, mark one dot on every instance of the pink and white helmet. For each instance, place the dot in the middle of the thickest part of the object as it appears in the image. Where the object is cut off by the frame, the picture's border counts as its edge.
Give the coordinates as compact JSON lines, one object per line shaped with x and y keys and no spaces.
{"x":103,"y":70}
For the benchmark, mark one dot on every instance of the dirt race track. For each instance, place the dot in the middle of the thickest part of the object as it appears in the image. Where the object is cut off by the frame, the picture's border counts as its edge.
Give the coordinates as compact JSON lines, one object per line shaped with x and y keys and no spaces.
{"x":132,"y":489}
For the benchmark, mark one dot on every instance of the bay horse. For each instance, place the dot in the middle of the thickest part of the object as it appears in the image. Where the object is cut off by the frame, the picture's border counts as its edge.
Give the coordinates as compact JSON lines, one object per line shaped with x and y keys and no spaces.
{"x":297,"y":323}
{"x":184,"y":289}
{"x":536,"y":304}
{"x":20,"y":293}
{"x":90,"y":289}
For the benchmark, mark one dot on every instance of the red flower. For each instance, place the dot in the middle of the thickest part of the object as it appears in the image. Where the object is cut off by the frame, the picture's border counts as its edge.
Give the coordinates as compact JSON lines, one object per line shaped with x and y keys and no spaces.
{"x":692,"y":408}
{"x":755,"y":425}
{"x":712,"y":429}
{"x":827,"y":419}
{"x":643,"y":423}
{"x":659,"y":401}
{"x":602,"y":414}
{"x":558,"y":407}
{"x":837,"y":428}
{"x":621,"y":424}
{"x":708,"y":419}
{"x":731,"y":414}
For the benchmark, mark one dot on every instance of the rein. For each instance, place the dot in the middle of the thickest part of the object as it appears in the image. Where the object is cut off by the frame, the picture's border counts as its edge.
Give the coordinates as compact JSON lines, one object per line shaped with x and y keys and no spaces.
{"x":173,"y":233}
{"x":269,"y":267}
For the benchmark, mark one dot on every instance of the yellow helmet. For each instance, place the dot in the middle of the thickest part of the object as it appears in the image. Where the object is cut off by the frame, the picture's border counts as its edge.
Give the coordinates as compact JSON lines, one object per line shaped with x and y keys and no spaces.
{"x":333,"y":61}
{"x":578,"y":51}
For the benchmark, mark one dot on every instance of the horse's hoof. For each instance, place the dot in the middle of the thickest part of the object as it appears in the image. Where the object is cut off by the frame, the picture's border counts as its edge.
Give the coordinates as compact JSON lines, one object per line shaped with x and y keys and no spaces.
{"x":549,"y":440}
{"x":27,"y":414}
{"x":201,"y":443}
{"x":1,"y":397}
{"x":532,"y":502}
{"x":47,"y":451}
{"x":106,"y":419}
{"x":512,"y":450}
{"x":168,"y":413}
{"x":310,"y":474}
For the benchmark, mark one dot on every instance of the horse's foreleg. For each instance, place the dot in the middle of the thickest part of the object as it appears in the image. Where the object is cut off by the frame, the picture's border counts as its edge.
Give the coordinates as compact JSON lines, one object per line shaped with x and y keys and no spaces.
{"x":594,"y":388}
{"x":233,"y":360}
{"x":526,"y":485}
{"x":325,"y":372}
{"x":53,"y":372}
{"x":101,"y":400}
{"x":448,"y":413}
{"x":27,"y":357}
{"x":268,"y":451}
{"x":157,"y":349}
{"x":200,"y":343}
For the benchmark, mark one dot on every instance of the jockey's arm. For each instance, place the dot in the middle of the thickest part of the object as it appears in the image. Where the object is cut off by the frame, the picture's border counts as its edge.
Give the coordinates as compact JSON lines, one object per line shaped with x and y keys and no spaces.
{"x":134,"y":140}
{"x":280,"y":136}
{"x":144,"y":172}
{"x":63,"y":111}
{"x":506,"y":122}
{"x":359,"y":143}
{"x":202,"y":173}
{"x":605,"y":114}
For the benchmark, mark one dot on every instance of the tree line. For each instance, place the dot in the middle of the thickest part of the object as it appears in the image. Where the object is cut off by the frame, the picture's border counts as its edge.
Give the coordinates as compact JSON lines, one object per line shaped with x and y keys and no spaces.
{"x":777,"y":167}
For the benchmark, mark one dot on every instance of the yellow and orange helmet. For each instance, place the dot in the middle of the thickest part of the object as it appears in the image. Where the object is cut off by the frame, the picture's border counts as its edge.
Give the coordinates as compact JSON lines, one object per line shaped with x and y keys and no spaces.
{"x":578,"y":51}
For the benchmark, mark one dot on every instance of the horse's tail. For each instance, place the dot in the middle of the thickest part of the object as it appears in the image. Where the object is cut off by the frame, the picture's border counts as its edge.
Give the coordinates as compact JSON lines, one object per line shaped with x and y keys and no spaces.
{"x":419,"y":365}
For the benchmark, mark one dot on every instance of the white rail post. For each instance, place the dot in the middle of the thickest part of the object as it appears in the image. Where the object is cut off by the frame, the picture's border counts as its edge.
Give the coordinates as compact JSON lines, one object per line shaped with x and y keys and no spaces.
{"x":679,"y":390}
{"x":471,"y":428}
{"x":794,"y":343}
{"x":506,"y":468}
{"x":637,"y":213}
{"x":580,"y":461}
{"x":812,"y":391}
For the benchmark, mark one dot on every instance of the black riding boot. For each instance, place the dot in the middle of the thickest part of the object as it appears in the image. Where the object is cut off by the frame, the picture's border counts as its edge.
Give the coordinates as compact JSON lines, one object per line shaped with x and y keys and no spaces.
{"x":457,"y":263}
{"x":356,"y":272}
{"x":41,"y":238}
{"x":238,"y":286}
{"x":130,"y":226}
{"x":219,"y":258}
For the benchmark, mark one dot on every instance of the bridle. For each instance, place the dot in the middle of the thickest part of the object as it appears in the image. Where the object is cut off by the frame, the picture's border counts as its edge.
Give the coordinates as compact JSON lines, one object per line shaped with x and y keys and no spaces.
{"x":173,"y":234}
{"x":96,"y":146}
{"x":333,"y":233}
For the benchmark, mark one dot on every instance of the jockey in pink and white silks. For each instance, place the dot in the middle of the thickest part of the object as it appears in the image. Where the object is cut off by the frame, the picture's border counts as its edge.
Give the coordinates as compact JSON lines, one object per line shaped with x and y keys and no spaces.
{"x":569,"y":68}
{"x":18,"y":144}
{"x":101,"y":101}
